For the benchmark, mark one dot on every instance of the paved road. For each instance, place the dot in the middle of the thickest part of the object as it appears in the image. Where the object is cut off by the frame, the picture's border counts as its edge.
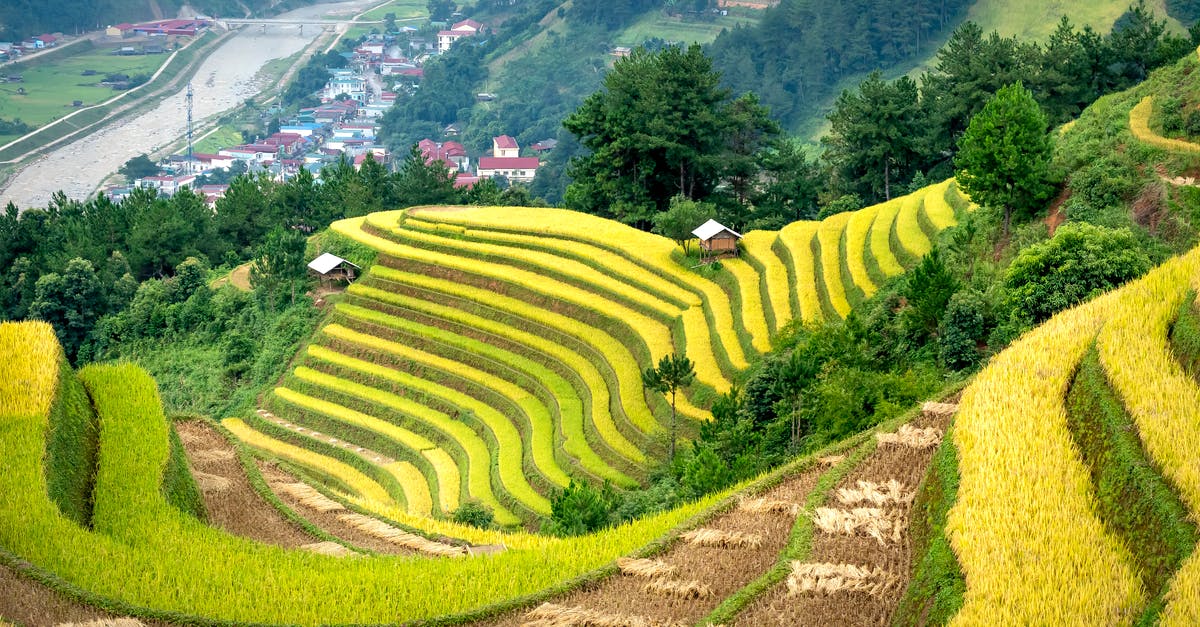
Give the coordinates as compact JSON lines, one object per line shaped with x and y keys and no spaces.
{"x":224,"y":81}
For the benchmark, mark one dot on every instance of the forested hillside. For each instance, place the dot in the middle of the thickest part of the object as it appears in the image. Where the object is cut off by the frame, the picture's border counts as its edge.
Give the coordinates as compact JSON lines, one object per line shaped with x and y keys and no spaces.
{"x":803,"y":52}
{"x":802,"y":49}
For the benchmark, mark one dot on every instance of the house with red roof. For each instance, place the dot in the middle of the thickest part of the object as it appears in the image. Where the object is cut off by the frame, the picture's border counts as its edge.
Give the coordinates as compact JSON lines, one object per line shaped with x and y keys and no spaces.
{"x":507,"y":162}
{"x":465,"y":28}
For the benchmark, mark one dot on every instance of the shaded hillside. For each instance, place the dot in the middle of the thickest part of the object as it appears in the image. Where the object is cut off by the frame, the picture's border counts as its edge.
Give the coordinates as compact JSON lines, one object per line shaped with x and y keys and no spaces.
{"x":803,"y":53}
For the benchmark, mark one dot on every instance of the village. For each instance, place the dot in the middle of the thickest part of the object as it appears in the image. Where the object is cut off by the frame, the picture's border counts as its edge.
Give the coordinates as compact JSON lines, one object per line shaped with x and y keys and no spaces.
{"x":345,"y":125}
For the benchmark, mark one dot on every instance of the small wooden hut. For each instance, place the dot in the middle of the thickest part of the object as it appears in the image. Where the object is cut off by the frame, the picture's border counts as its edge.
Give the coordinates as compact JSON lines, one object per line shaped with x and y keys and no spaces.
{"x":716,"y":240}
{"x":329,"y":268}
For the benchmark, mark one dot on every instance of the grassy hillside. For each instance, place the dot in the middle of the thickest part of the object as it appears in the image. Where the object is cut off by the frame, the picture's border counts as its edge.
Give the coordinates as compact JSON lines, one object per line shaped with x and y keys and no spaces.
{"x":1035,"y":21}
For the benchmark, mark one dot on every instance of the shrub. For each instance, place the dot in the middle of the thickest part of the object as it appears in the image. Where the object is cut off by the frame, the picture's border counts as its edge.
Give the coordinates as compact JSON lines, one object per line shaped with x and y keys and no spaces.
{"x":474,"y":513}
{"x":962,"y":327}
{"x":1079,"y":262}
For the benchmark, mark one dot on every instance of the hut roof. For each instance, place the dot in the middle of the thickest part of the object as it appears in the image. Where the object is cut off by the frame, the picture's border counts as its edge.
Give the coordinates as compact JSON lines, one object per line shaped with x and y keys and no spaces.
{"x":709,"y":229}
{"x":326,"y":263}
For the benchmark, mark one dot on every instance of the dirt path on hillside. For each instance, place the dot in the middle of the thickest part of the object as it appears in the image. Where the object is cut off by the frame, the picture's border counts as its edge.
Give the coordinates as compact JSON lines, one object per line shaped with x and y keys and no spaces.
{"x":26,"y":602}
{"x":886,"y":557}
{"x":231,"y":501}
{"x":712,"y":573}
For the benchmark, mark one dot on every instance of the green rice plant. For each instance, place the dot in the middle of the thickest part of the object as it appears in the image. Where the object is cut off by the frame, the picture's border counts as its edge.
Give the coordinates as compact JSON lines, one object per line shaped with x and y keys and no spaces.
{"x":858,"y":228}
{"x":759,"y":250}
{"x":1024,"y":528}
{"x":909,"y":241}
{"x":797,"y":239}
{"x":140,"y":572}
{"x":881,"y":237}
{"x":625,"y":365}
{"x":650,"y":251}
{"x":753,"y":316}
{"x":937,"y":210}
{"x":478,"y":471}
{"x":571,"y":407}
{"x":542,"y":425}
{"x":829,"y":236}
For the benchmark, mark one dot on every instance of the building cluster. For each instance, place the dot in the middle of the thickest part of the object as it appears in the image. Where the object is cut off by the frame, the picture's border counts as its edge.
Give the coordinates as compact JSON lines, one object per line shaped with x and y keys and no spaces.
{"x":345,"y":123}
{"x":504,"y":161}
{"x":312,"y":139}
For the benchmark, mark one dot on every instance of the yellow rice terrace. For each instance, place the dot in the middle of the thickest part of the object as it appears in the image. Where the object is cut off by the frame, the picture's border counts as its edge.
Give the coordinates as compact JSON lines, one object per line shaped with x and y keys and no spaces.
{"x":490,"y":356}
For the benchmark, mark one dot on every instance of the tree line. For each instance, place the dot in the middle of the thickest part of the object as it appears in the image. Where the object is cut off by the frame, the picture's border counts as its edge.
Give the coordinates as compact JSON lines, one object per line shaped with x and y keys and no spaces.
{"x":663,"y":126}
{"x":74,"y":262}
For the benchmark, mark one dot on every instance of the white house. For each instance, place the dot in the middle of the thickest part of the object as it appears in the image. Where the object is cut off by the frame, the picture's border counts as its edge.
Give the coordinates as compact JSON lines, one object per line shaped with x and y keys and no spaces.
{"x":519,"y":169}
{"x":505,"y":146}
{"x":465,"y":28}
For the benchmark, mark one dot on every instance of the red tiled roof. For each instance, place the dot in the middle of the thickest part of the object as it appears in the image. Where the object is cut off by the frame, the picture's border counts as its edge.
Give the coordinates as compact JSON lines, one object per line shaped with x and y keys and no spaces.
{"x":508,"y":163}
{"x":472,"y":24}
{"x":465,"y":179}
{"x":505,"y":142}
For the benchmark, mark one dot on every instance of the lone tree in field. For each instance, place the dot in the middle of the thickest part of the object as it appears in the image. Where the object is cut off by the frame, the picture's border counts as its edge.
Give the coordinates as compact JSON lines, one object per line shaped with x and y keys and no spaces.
{"x":673,"y":373}
{"x":1004,"y":156}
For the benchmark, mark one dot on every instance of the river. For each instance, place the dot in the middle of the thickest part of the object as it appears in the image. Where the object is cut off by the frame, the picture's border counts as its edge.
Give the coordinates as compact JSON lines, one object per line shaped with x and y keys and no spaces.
{"x":224,"y":81}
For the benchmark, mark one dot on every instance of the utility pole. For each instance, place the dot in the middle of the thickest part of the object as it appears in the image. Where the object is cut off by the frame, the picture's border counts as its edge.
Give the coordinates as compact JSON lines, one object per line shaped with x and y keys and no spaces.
{"x":189,"y":123}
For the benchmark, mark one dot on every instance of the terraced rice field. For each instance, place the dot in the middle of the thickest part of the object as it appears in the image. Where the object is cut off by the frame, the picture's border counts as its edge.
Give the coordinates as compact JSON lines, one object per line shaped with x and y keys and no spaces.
{"x":1013,"y":423}
{"x":498,"y":351}
{"x":485,"y":356}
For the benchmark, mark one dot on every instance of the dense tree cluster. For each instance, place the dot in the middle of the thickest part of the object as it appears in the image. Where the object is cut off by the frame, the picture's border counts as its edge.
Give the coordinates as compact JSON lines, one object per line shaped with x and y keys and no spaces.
{"x":802,"y":49}
{"x":50,"y":255}
{"x":660,"y":128}
{"x":885,"y":132}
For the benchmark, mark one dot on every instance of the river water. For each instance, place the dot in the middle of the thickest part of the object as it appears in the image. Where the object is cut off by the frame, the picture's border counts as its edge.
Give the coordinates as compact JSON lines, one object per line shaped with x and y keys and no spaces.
{"x":224,"y":81}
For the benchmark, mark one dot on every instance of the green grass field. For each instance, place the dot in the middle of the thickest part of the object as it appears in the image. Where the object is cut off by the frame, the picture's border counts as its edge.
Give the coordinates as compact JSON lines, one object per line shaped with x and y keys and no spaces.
{"x":51,"y":87}
{"x":656,"y":24}
{"x":1034,"y":20}
{"x":227,"y":135}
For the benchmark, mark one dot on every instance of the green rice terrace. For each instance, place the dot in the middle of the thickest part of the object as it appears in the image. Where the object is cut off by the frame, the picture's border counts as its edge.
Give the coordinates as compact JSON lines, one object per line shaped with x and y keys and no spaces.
{"x":491,"y":355}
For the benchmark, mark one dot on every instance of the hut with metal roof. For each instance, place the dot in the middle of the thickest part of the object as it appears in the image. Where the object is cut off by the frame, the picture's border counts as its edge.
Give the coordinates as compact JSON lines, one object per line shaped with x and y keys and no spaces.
{"x":716,"y":240}
{"x":329,"y":268}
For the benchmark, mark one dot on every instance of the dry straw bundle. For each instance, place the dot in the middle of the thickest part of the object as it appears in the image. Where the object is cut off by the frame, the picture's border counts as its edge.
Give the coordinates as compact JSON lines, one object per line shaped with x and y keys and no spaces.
{"x":551,"y":615}
{"x":327,"y":548}
{"x":825,"y":578}
{"x":939,"y":410}
{"x":877,"y":494}
{"x":647,"y":568}
{"x":309,"y":497}
{"x":399,"y":537}
{"x":767,"y":506}
{"x":908,"y":435}
{"x":874,"y":522}
{"x":831,"y":460}
{"x":211,"y":483}
{"x":722,"y":539}
{"x":680,"y":589}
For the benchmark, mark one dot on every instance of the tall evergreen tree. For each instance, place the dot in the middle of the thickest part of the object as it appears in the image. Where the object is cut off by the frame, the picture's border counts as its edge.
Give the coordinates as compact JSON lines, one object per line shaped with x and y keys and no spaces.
{"x":1004,"y":157}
